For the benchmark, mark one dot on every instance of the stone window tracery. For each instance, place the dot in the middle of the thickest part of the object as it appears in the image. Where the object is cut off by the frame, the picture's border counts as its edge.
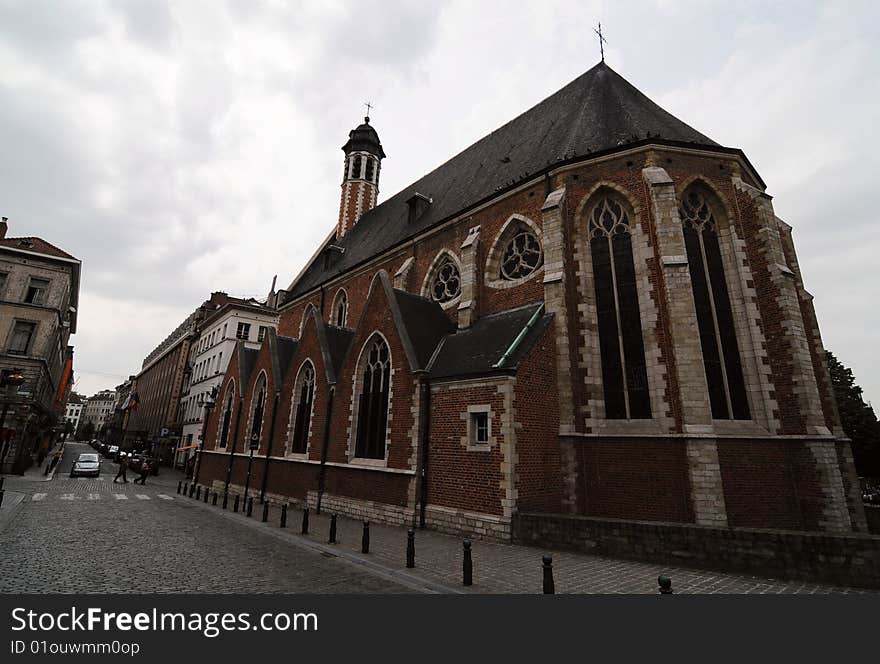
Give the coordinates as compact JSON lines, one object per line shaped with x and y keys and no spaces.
{"x":304,"y":394}
{"x":373,"y":401}
{"x":721,"y":358}
{"x":622,"y":348}
{"x":446,"y":285}
{"x":522,"y":256}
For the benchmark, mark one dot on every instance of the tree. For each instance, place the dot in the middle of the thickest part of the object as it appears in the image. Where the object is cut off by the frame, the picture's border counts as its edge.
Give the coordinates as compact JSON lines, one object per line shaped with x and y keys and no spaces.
{"x":86,"y":431}
{"x":857,"y":418}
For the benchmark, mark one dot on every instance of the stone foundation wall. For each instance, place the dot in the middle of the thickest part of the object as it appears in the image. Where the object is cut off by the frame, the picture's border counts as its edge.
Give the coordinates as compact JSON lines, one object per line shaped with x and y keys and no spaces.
{"x":852,"y":559}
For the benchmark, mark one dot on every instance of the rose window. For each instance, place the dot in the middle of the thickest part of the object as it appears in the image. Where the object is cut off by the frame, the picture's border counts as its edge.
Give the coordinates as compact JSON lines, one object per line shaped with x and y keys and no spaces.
{"x":522,"y":256}
{"x":447,"y":282}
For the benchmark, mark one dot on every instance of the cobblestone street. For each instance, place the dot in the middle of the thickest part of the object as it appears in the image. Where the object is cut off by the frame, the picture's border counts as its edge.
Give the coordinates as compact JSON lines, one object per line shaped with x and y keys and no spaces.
{"x":88,"y":535}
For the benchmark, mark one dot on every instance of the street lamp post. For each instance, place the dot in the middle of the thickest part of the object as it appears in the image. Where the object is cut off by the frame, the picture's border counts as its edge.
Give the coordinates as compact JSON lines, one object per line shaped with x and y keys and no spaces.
{"x":255,"y":443}
{"x":9,"y":379}
{"x":207,"y":400}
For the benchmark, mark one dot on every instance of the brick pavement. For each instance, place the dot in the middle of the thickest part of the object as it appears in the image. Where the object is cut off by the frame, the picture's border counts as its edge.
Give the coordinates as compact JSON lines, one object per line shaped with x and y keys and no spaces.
{"x":506,"y":568}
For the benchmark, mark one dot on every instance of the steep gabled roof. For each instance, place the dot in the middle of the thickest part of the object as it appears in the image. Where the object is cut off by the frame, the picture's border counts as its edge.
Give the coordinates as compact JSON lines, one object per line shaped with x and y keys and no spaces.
{"x":36,"y":245}
{"x":338,"y":342}
{"x":596,"y":113}
{"x":286,"y":348}
{"x":425,"y":324}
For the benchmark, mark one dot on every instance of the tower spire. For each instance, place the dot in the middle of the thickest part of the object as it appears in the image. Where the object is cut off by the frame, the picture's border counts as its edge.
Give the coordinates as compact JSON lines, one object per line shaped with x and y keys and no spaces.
{"x":360,"y":180}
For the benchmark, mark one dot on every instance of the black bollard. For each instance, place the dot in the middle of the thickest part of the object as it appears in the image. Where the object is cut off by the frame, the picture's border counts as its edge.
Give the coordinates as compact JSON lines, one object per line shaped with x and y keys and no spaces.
{"x":179,"y":484}
{"x":198,"y":492}
{"x":665,"y":584}
{"x":265,"y":512}
{"x":250,"y":506}
{"x":192,"y":490}
{"x":305,"y":526}
{"x":185,"y":487}
{"x":549,"y":586}
{"x":2,"y":492}
{"x":225,"y":500}
{"x":410,"y":548}
{"x":467,"y":565}
{"x":332,"y":539}
{"x":206,"y":495}
{"x":365,"y":538}
{"x":283,"y":523}
{"x":235,"y":503}
{"x":214,"y":498}
{"x":2,"y":479}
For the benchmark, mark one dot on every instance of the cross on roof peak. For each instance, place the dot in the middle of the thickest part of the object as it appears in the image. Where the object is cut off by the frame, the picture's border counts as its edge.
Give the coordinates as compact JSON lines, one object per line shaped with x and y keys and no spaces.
{"x":602,"y":41}
{"x":369,"y":106}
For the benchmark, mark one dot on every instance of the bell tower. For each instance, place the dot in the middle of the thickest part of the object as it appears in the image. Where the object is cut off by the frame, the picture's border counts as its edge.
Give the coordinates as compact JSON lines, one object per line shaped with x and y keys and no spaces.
{"x":360,"y":179}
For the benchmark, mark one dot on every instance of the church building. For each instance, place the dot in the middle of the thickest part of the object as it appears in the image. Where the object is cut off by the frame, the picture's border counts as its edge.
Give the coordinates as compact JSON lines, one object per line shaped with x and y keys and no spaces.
{"x":592,"y":311}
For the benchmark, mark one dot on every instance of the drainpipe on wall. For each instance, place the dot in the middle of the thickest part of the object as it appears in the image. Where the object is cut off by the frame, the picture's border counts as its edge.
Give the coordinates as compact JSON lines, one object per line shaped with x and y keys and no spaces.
{"x":425,"y":425}
{"x":322,"y":472}
{"x":269,"y":447}
{"x":234,"y":444}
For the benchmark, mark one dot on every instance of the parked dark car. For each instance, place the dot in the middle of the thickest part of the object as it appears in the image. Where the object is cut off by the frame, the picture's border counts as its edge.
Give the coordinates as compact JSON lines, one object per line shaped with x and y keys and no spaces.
{"x":87,"y":465}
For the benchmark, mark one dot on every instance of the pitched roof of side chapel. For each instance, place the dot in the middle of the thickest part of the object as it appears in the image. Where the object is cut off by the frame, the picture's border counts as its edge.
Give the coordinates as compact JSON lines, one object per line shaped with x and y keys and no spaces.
{"x":598,"y":112}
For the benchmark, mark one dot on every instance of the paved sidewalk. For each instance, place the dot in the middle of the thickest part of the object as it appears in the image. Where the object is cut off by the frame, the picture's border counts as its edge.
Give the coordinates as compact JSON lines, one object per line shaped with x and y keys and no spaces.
{"x":506,"y":568}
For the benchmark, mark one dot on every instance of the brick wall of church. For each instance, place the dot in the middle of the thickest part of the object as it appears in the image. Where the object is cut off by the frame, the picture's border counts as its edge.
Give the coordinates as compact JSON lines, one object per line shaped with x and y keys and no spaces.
{"x":538,"y":463}
{"x":632,"y":478}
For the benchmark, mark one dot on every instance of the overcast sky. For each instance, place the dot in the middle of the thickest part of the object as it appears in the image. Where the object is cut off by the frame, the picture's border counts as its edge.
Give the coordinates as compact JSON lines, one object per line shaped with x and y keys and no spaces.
{"x":179,"y":148}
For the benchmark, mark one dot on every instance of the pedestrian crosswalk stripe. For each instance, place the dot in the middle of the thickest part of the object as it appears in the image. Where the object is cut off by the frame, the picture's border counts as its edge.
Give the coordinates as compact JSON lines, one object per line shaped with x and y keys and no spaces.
{"x":164,"y":497}
{"x":94,"y":496}
{"x":100,"y":478}
{"x":120,"y":496}
{"x":142,"y":496}
{"x":67,"y":496}
{"x":39,"y":496}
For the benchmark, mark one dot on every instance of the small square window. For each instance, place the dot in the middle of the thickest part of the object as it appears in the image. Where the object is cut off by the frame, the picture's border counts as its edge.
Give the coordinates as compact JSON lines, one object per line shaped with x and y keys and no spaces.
{"x":479,"y":428}
{"x":243,"y":331}
{"x":36,"y":292}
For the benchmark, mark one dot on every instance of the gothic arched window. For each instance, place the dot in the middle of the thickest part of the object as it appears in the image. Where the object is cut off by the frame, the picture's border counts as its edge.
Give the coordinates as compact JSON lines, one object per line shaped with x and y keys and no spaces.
{"x":259,"y":404}
{"x":724,"y":374}
{"x":303,"y":393}
{"x":373,"y":400}
{"x":446,"y":284}
{"x":522,"y":255}
{"x":227,"y":416}
{"x":624,"y":373}
{"x":340,"y":309}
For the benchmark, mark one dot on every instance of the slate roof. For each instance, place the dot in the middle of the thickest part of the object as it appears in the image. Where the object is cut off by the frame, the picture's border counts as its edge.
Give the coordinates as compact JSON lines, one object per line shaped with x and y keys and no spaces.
{"x":286,"y":349}
{"x":475,"y":350}
{"x":596,"y":113}
{"x":338,"y":341}
{"x":35,"y":244}
{"x":425,"y":323}
{"x":247,"y":360}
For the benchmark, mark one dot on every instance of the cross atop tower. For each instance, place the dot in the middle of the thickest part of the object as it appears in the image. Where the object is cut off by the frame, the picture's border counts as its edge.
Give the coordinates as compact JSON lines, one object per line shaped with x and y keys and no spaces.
{"x":369,"y":106}
{"x":602,"y":41}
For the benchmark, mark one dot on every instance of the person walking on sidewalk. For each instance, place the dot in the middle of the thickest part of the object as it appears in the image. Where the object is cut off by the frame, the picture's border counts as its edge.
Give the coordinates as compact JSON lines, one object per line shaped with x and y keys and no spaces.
{"x":145,"y":470}
{"x":123,"y":464}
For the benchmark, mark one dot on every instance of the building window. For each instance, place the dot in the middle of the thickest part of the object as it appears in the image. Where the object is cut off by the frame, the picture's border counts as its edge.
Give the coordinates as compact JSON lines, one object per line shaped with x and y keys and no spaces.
{"x":261,"y":333}
{"x":36,"y":292}
{"x":479,"y":428}
{"x":22,"y":332}
{"x":224,"y":330}
{"x":257,"y":426}
{"x":622,"y":350}
{"x":303,"y":413}
{"x":356,"y":167}
{"x":369,"y":175}
{"x":227,"y":415}
{"x":721,"y":359}
{"x":3,"y":276}
{"x":521,"y":257}
{"x":340,"y":309}
{"x":243,"y":331}
{"x":373,"y":401}
{"x":446,"y":285}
